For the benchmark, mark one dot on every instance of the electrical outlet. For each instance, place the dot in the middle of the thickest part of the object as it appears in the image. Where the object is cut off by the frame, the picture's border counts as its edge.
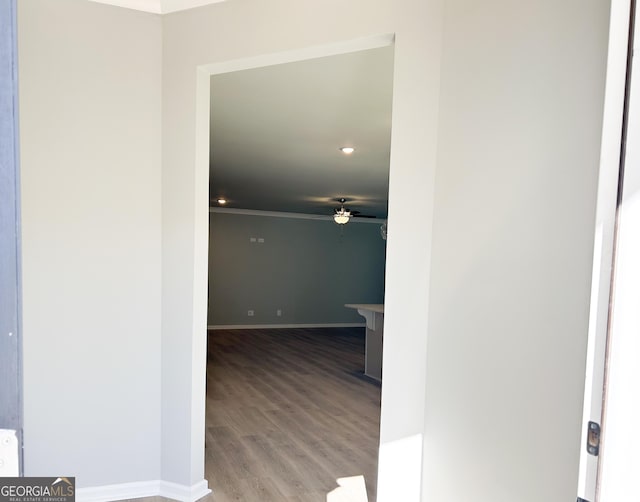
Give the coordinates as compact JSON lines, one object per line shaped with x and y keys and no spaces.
{"x":278,"y":312}
{"x":252,"y":239}
{"x":261,"y":240}
{"x":250,"y":313}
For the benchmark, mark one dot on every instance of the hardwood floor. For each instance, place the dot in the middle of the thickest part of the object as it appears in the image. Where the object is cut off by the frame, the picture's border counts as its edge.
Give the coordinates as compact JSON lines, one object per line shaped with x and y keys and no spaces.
{"x":287,"y":414}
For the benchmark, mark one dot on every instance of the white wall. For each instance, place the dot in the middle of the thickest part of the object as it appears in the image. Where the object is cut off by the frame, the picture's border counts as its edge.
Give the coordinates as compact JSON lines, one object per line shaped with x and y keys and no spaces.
{"x":90,"y":148}
{"x":518,"y":154}
{"x":516,"y":134}
{"x":237,"y":30}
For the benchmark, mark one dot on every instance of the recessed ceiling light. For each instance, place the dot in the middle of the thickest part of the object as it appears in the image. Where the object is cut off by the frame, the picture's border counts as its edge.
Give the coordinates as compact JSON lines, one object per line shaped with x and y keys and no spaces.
{"x":348,"y":150}
{"x":222,"y":202}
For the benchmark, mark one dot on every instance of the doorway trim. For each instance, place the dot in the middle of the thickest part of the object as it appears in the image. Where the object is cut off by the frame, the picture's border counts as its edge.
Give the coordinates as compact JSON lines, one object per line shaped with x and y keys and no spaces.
{"x":611,"y":155}
{"x":202,"y":145}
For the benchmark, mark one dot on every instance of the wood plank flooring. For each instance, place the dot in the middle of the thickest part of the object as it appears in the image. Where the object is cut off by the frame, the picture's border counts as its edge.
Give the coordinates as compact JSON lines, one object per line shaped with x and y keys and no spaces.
{"x":287,"y":415}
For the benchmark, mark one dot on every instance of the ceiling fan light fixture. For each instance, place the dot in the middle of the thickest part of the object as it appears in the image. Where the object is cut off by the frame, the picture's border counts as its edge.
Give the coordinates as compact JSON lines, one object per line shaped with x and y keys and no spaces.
{"x":222,"y":201}
{"x":347,"y":150}
{"x":342,"y":218}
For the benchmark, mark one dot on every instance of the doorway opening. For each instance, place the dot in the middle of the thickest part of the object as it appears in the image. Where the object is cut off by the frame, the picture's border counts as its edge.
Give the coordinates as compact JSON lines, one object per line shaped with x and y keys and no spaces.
{"x":288,"y":409}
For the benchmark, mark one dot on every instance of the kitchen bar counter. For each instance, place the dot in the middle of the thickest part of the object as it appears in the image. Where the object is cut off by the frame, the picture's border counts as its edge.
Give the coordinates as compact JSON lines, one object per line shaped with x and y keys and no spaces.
{"x":374,"y":316}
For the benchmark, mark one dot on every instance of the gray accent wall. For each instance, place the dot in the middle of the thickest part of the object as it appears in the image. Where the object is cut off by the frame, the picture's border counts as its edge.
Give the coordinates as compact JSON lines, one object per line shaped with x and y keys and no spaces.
{"x":306,"y":268}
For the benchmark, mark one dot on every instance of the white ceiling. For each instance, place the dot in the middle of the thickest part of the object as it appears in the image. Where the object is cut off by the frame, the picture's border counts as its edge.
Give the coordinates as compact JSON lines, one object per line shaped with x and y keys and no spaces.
{"x":276,"y":133}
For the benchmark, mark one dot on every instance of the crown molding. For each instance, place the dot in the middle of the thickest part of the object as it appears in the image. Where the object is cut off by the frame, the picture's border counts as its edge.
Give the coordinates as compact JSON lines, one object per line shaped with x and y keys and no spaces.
{"x":158,"y":6}
{"x":298,"y":216}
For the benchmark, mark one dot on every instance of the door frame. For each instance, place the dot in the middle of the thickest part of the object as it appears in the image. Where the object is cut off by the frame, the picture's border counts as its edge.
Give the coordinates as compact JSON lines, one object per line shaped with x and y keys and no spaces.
{"x":202,"y":129}
{"x":612,"y":156}
{"x":10,"y":288}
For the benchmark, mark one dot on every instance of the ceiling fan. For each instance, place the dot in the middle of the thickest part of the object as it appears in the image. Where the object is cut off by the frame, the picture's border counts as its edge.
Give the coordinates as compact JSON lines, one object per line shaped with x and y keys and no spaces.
{"x":342,"y":215}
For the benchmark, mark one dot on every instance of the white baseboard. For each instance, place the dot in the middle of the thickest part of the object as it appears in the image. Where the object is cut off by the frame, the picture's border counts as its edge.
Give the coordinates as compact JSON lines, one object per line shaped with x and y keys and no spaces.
{"x":156,"y":488}
{"x":288,"y":326}
{"x":121,"y":491}
{"x":184,"y":493}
